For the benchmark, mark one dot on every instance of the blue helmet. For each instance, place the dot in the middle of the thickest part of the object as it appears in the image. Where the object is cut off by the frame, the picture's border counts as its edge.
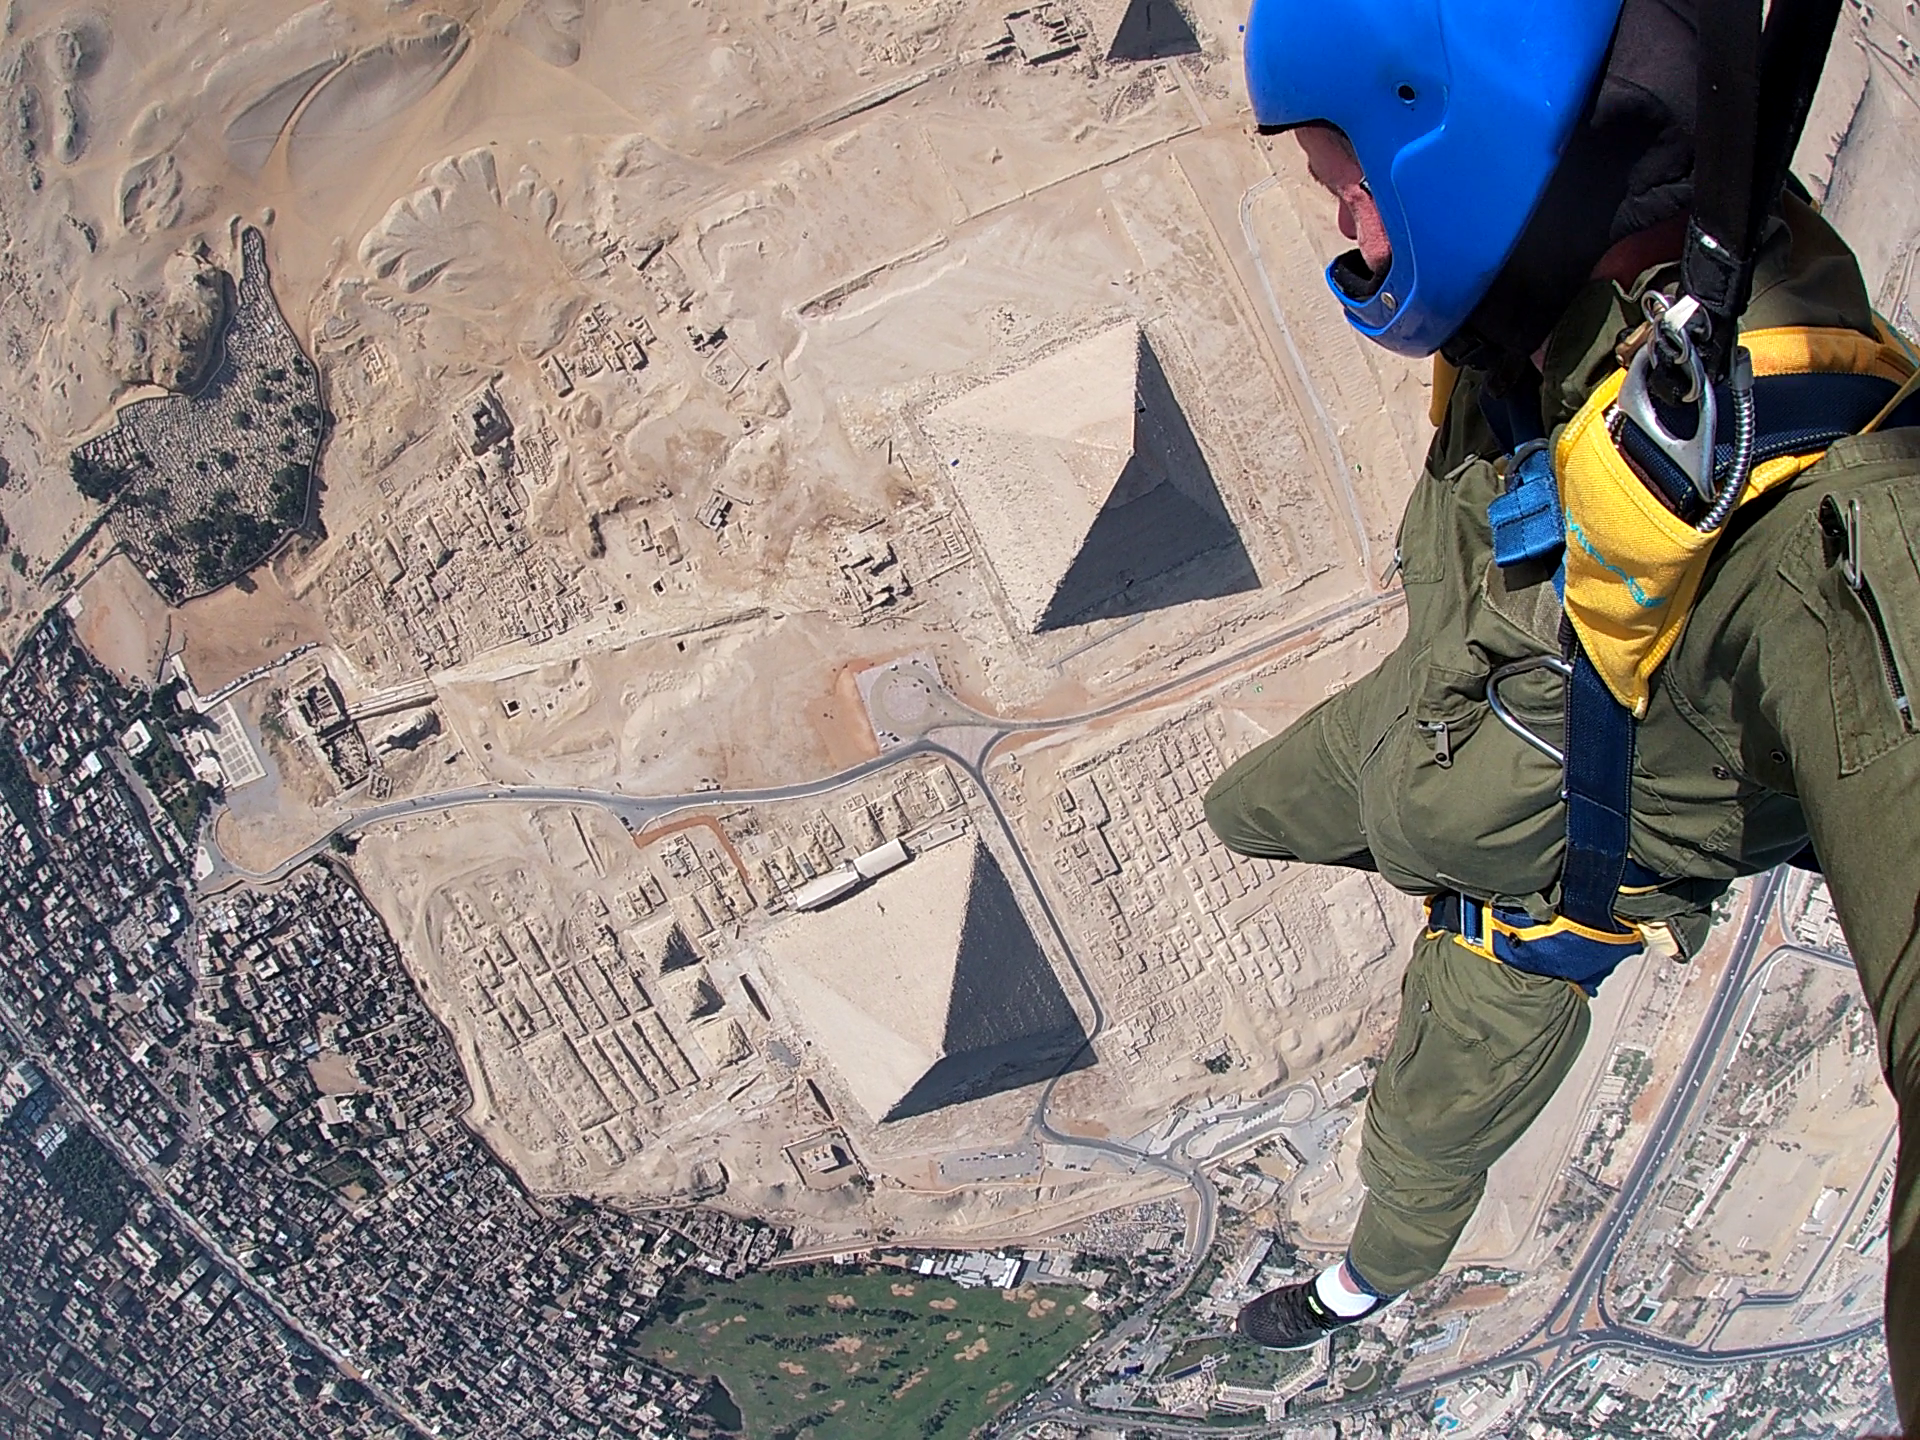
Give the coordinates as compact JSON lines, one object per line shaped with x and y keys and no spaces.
{"x":1458,"y":110}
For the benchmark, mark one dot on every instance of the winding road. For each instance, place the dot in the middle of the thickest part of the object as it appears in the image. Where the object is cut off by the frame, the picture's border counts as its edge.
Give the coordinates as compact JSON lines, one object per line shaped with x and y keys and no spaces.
{"x":928,"y":720}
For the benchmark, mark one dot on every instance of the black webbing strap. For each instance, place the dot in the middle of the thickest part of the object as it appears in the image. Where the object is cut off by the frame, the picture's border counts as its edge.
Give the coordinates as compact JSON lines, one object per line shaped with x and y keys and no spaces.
{"x":1752,"y":102}
{"x":1716,"y":267}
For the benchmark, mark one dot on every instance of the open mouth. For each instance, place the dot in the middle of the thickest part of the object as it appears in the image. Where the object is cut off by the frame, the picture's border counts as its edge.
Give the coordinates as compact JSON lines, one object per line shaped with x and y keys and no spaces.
{"x":1356,"y":279}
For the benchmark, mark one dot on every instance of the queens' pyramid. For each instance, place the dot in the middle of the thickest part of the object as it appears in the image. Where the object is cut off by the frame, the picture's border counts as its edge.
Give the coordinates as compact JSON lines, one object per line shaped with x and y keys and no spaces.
{"x":1087,"y":488}
{"x":927,"y":988}
{"x":667,"y":949}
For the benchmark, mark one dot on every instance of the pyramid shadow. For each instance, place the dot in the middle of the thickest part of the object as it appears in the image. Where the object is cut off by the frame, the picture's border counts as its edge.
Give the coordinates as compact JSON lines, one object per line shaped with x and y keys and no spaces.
{"x":1008,"y":1021}
{"x":1164,"y":522}
{"x":1153,"y":30}
{"x":678,"y":952}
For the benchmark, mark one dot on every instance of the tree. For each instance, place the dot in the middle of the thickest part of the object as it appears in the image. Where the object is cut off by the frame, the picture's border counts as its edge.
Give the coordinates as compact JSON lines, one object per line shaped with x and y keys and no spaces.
{"x":95,"y":479}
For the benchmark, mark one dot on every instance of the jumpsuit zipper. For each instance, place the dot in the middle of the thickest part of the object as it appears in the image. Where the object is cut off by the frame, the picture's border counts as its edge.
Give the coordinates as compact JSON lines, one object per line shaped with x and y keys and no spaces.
{"x":1436,"y":731}
{"x":1870,"y":604}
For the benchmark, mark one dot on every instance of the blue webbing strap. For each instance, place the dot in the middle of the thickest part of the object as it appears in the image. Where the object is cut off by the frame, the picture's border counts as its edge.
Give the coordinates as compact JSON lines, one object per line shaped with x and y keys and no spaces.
{"x":1527,"y":523}
{"x":1599,"y":789}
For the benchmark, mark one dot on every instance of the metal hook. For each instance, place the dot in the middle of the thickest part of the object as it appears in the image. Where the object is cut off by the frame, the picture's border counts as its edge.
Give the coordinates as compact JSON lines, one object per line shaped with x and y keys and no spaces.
{"x":1507,"y":718}
{"x":1694,"y":454}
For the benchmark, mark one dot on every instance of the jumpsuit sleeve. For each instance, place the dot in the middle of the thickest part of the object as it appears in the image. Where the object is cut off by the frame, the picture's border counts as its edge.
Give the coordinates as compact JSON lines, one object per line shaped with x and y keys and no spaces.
{"x":1832,"y":675}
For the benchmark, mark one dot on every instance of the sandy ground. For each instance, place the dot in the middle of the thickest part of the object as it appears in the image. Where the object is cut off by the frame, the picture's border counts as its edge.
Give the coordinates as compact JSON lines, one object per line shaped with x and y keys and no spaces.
{"x":236,"y":630}
{"x":720,"y":267}
{"x":123,"y":623}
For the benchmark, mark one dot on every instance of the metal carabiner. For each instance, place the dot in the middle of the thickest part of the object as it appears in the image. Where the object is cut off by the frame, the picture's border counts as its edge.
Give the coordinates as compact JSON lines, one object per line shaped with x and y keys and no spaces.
{"x":1693,"y":455}
{"x":1507,"y":718}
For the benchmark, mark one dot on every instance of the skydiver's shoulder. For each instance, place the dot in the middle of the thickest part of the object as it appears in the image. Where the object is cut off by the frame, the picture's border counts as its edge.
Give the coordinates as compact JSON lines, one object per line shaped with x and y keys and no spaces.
{"x":1805,"y":274}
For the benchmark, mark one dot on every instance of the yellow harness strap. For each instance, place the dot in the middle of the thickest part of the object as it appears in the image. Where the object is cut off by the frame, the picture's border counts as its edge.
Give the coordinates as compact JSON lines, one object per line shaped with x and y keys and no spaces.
{"x":1633,"y":568}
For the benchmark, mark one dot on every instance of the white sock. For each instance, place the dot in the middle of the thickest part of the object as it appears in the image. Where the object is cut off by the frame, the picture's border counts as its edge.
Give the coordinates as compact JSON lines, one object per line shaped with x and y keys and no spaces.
{"x":1335,"y":1289}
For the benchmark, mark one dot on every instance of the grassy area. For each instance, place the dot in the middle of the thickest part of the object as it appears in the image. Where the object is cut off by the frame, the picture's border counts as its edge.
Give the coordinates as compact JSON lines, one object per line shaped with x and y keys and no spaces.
{"x":1193,"y":1352}
{"x":855,"y":1356}
{"x":1247,"y":1364}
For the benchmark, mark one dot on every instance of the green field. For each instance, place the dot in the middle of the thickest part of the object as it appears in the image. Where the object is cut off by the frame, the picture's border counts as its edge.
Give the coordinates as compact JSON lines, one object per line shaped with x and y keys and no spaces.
{"x":841,"y":1356}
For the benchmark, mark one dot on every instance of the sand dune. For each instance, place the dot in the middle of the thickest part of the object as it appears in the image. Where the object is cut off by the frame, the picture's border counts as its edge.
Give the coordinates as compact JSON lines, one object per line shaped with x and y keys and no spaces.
{"x":551,"y":29}
{"x":359,"y":99}
{"x":251,"y":135}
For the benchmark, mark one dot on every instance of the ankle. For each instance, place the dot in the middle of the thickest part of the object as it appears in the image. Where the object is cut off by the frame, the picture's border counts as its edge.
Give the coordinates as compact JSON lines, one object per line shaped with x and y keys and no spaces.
{"x":1344,"y":1291}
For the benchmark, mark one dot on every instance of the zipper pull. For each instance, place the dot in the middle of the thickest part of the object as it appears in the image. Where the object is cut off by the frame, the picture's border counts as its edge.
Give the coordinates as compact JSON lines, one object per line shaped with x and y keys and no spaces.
{"x":1436,"y":731}
{"x":1850,"y":565}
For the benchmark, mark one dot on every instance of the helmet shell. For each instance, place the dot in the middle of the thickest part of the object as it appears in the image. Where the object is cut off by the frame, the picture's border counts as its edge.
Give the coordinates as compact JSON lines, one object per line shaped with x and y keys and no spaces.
{"x":1458,"y":111}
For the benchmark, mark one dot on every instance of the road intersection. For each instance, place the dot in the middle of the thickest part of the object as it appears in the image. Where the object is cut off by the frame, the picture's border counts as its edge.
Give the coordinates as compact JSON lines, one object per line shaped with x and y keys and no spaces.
{"x":914,"y":715}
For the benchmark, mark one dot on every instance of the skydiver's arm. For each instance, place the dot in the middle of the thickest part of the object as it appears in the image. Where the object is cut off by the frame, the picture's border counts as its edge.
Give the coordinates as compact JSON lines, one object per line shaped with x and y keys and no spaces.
{"x":1830,"y":673}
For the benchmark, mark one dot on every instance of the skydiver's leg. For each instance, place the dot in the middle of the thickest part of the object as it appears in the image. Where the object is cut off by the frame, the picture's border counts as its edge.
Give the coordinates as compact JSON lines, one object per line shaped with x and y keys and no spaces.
{"x":1479,"y":1050}
{"x":1297,"y":797}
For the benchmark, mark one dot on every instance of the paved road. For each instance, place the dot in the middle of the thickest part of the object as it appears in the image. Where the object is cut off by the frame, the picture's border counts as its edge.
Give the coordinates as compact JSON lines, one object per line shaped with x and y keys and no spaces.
{"x":1584,"y":1285}
{"x":635,"y":812}
{"x":640,"y":810}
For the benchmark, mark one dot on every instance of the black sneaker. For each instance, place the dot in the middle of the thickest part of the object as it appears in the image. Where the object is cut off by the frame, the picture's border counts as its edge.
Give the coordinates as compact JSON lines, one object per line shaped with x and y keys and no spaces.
{"x":1292,"y":1318}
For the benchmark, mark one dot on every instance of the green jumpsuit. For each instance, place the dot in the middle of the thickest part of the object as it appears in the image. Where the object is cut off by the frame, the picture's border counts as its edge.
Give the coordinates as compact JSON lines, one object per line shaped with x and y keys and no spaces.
{"x":1779,"y":715}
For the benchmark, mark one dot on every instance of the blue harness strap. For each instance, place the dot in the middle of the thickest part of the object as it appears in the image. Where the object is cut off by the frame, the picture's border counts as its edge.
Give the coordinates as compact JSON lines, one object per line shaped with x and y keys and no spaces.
{"x":1560,"y":949}
{"x":1799,"y":414}
{"x":1599,"y":792}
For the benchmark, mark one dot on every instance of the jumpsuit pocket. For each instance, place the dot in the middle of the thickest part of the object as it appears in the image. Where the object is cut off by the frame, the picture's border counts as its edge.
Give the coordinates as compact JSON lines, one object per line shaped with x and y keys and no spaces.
{"x":1452,"y":701}
{"x":1434,"y":1087}
{"x":1872,"y":617}
{"x":1428,"y":540}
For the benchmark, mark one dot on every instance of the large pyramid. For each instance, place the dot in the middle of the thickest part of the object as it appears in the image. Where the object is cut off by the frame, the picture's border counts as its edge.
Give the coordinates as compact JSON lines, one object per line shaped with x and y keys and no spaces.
{"x":927,"y":988}
{"x":1084,"y":482}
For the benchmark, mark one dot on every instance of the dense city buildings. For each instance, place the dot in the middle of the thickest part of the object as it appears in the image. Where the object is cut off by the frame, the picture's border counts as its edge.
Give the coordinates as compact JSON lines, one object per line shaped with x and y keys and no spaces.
{"x":233,"y":1136}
